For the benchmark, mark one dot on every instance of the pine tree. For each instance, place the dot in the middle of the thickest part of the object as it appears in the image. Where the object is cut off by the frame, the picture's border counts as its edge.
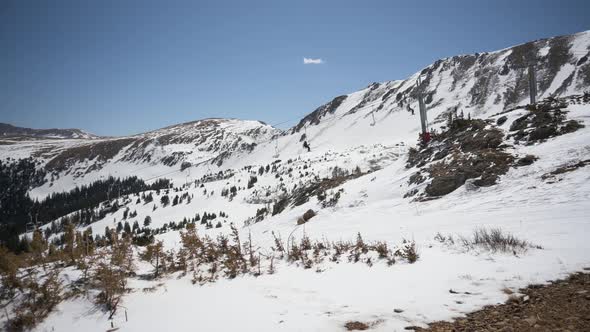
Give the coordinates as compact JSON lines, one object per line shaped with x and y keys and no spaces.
{"x":154,"y":254}
{"x":88,"y":242}
{"x":38,"y":246}
{"x":69,"y":241}
{"x":147,"y":221}
{"x":165,"y":200}
{"x":135,"y":227}
{"x":127,"y":228}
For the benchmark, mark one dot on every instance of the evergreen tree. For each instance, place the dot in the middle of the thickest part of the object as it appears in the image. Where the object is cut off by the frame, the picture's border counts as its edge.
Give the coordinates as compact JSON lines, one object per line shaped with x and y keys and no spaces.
{"x":38,"y":246}
{"x":153,"y":254}
{"x":69,"y":242}
{"x":135,"y":227}
{"x":127,"y":228}
{"x":165,"y":200}
{"x":147,"y":221}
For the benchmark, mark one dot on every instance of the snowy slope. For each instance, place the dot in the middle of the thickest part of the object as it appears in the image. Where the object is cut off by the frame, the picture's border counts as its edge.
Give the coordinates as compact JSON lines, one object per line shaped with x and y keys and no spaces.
{"x":369,"y":130}
{"x":479,"y":85}
{"x":549,"y":214}
{"x":72,"y":162}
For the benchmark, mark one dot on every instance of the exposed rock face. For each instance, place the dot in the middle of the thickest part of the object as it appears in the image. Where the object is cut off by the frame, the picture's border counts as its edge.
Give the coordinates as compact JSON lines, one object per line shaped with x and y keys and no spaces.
{"x":320,"y":112}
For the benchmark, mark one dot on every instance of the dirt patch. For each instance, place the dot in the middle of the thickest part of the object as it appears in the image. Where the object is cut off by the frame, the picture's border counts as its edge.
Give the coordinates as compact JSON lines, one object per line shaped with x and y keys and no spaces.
{"x":560,"y":306}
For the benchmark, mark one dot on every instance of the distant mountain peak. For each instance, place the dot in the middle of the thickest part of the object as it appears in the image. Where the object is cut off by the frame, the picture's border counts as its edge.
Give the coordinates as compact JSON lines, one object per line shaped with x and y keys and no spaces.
{"x":8,"y":130}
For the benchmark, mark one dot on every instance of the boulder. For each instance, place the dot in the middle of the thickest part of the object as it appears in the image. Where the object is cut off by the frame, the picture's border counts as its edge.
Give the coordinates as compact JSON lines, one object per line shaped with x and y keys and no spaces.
{"x":306,"y":217}
{"x":445,"y":184}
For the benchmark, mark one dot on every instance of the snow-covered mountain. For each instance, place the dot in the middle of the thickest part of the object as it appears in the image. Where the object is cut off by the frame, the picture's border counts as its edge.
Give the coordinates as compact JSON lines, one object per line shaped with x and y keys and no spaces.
{"x":69,"y":162}
{"x":10,"y":131}
{"x":478,"y":85}
{"x":503,"y":164}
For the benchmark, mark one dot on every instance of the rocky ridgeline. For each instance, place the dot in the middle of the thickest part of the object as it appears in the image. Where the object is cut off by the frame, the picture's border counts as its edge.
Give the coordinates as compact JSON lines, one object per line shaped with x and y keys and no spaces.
{"x":476,"y":81}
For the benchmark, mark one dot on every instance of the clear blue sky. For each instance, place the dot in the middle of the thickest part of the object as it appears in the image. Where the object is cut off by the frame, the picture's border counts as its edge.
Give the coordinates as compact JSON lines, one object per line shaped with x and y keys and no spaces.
{"x":123,"y":67}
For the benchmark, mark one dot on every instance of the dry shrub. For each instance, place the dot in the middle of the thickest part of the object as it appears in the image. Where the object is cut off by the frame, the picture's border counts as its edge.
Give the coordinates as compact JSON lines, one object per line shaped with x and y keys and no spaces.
{"x":356,"y":326}
{"x":408,"y":251}
{"x":39,"y":296}
{"x":493,"y":239}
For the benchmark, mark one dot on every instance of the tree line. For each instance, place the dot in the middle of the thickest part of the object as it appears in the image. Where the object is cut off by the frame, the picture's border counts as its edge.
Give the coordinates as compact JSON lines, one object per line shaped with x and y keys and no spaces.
{"x":17,"y":209}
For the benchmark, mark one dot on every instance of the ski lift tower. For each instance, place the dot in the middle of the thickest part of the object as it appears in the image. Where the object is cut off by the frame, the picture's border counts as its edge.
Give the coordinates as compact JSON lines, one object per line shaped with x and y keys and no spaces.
{"x":31,"y":226}
{"x":424,"y":135}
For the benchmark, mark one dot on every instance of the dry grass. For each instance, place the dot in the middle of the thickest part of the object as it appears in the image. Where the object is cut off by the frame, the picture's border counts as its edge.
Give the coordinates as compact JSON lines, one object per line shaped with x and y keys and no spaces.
{"x":495,"y":239}
{"x":492,"y":239}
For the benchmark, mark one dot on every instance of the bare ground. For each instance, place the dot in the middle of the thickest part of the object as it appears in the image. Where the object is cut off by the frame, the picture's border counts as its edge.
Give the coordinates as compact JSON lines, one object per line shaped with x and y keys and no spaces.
{"x":562,"y":305}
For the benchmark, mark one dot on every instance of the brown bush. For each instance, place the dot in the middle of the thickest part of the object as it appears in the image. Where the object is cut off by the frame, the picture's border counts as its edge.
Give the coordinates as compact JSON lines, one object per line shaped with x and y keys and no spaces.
{"x":356,"y":326}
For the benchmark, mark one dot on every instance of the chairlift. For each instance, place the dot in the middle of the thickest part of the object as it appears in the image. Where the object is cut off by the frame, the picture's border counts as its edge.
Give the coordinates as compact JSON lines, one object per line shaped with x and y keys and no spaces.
{"x":276,"y":155}
{"x":189,"y":174}
{"x":30,"y":227}
{"x":208,"y":166}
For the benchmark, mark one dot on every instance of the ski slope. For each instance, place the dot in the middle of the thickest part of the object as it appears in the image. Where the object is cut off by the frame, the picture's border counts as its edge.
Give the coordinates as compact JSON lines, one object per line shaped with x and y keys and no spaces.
{"x":551,"y":215}
{"x":369,"y":130}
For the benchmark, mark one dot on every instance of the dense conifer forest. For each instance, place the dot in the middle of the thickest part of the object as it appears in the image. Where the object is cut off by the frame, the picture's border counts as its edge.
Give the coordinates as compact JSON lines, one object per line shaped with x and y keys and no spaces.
{"x":17,"y":209}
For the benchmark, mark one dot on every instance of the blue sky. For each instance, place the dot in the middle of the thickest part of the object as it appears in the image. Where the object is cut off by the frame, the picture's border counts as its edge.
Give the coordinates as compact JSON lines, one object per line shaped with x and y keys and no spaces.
{"x":124,"y":67}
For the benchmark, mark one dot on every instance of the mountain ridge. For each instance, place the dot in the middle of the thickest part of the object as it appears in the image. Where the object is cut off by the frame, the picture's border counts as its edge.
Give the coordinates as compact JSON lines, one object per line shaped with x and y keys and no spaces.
{"x":347,"y":197}
{"x":479,"y":85}
{"x":9,"y":130}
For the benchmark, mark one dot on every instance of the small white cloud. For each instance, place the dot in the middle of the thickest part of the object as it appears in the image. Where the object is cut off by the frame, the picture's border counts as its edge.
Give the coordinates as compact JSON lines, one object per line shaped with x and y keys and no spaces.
{"x":310,"y":61}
